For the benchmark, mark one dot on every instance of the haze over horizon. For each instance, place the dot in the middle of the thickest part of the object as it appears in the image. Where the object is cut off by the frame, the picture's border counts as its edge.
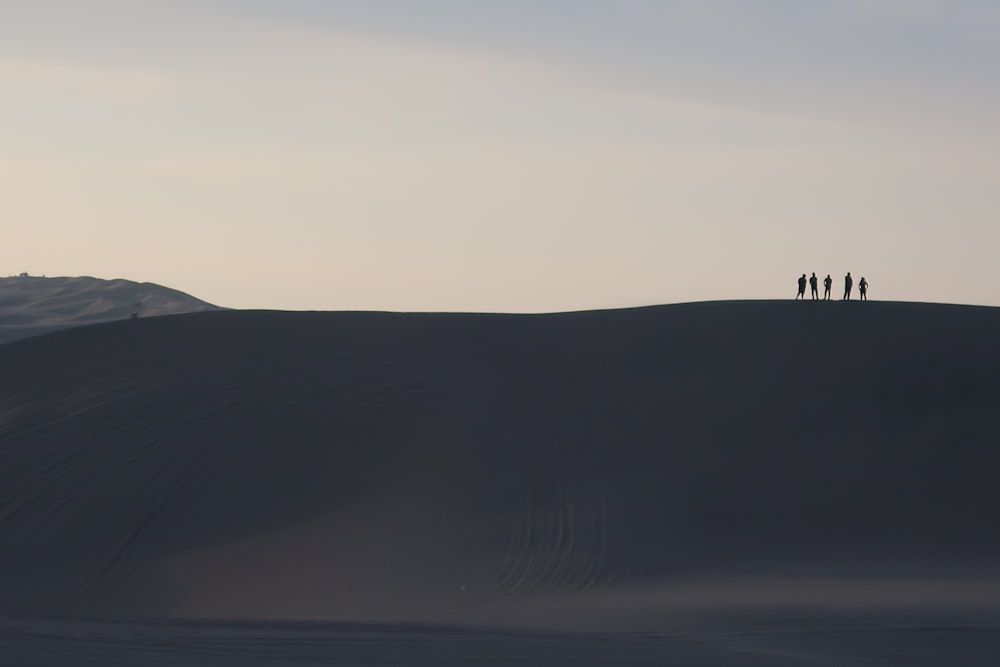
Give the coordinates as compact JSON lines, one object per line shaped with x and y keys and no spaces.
{"x":503,"y":156}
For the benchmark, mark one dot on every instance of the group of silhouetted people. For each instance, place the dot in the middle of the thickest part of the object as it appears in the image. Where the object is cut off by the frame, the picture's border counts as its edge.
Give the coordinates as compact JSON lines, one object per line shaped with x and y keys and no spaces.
{"x":827,"y":284}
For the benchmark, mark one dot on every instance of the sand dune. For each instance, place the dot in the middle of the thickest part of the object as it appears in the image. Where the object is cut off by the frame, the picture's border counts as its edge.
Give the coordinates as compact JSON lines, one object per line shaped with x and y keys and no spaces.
{"x":715,"y":466}
{"x":32,"y":305}
{"x":312,"y":644}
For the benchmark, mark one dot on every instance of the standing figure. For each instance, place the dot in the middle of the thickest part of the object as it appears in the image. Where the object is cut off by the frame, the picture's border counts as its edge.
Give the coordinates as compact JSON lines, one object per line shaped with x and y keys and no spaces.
{"x":848,"y":284}
{"x":827,"y":284}
{"x":812,"y":286}
{"x":863,"y":289}
{"x":802,"y":288}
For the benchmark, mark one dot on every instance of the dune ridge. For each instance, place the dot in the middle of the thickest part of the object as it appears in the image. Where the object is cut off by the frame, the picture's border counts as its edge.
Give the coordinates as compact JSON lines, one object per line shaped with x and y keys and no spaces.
{"x":633,"y":471}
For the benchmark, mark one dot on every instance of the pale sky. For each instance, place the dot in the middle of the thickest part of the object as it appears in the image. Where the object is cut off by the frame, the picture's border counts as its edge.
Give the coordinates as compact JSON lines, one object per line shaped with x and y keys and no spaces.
{"x":503,"y":155}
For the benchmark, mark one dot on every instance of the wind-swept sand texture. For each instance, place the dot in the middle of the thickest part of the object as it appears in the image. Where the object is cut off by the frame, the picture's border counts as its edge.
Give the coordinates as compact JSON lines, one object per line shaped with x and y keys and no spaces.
{"x":734,"y":481}
{"x":32,"y":305}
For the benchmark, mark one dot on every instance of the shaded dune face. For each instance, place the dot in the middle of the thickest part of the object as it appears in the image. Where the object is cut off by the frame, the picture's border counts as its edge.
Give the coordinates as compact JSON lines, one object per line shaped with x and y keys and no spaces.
{"x":496,"y":468}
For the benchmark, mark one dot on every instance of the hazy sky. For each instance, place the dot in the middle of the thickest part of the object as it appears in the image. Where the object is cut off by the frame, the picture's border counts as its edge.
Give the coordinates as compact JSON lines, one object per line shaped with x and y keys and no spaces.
{"x":511,"y":155}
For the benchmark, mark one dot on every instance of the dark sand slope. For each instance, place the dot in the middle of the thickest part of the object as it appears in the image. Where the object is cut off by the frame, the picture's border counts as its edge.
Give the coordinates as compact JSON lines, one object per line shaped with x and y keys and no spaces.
{"x":31,"y":305}
{"x":732,"y":465}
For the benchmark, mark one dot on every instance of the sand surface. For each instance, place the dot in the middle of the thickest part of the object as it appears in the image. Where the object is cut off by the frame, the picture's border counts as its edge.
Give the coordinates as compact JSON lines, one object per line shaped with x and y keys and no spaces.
{"x":34,"y":305}
{"x":716,"y":483}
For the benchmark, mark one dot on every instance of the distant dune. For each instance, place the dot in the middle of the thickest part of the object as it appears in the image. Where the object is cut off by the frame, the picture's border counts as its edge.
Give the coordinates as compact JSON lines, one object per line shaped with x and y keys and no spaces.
{"x":32,"y":305}
{"x":644,"y":470}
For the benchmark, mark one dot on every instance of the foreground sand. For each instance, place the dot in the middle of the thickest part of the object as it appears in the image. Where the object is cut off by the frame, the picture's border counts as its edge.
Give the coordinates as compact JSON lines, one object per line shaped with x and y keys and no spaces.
{"x":719,"y":483}
{"x":112,"y":644}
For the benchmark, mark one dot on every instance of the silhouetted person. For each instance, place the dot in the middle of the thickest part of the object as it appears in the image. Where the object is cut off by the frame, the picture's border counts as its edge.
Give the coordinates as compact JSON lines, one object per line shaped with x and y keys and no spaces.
{"x":863,"y":289}
{"x":812,"y":286}
{"x":827,"y":284}
{"x":802,"y":288}
{"x":848,"y":284}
